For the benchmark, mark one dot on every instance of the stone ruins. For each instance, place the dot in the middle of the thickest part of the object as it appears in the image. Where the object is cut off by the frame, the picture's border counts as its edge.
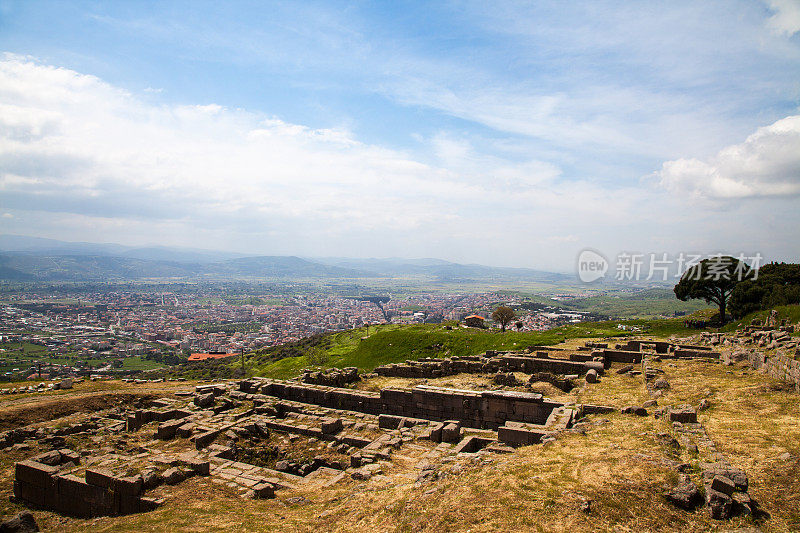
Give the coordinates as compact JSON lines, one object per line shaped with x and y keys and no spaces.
{"x":258,"y":436}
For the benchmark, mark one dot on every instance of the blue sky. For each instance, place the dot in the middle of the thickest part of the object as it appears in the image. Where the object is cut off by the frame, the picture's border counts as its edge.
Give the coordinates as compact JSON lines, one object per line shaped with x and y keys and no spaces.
{"x":503,"y":133}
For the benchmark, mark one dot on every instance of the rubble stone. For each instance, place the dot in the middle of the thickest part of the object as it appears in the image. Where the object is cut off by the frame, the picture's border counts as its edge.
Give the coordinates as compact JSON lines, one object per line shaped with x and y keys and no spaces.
{"x":684,"y":495}
{"x":23,"y":522}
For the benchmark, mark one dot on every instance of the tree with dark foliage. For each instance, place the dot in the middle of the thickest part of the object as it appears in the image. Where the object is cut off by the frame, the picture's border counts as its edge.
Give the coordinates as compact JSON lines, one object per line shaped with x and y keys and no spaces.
{"x":713,"y":280}
{"x":776,"y":284}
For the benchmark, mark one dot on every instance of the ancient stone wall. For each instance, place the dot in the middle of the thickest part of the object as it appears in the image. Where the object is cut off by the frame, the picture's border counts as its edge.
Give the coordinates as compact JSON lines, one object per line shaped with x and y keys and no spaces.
{"x":531,"y":365}
{"x":477,"y":409}
{"x":333,"y":377}
{"x":777,"y":366}
{"x":687,"y":353}
{"x":433,"y":368}
{"x":618,"y":356}
{"x":100,"y":493}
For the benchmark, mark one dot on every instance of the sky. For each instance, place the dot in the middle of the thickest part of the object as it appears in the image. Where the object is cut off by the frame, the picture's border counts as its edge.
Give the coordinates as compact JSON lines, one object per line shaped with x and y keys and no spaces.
{"x":500,"y":133}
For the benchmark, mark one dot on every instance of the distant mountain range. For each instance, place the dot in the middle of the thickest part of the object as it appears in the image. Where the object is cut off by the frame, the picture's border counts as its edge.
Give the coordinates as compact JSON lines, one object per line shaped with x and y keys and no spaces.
{"x":440,"y":269}
{"x":39,"y":246}
{"x":36,"y":259}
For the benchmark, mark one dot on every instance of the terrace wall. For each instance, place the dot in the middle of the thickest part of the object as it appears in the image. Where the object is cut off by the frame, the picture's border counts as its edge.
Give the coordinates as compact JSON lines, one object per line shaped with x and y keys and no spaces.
{"x":477,"y":409}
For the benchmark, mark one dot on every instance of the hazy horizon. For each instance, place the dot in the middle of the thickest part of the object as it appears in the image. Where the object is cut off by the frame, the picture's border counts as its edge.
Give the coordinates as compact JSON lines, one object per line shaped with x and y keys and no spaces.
{"x":234,"y":252}
{"x":504,"y":135}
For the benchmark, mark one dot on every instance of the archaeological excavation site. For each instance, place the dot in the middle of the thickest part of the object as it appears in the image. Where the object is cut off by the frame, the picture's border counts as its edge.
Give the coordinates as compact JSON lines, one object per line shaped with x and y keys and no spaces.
{"x":586,"y":434}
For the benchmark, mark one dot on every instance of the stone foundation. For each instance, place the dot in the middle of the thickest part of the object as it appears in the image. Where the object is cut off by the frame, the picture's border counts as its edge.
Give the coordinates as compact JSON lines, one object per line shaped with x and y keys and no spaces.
{"x":434,"y":368}
{"x":475,"y":409}
{"x":51,"y":486}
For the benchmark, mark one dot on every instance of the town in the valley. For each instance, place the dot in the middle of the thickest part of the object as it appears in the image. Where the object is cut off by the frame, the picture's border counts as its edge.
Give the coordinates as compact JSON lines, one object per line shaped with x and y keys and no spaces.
{"x":70,"y":334}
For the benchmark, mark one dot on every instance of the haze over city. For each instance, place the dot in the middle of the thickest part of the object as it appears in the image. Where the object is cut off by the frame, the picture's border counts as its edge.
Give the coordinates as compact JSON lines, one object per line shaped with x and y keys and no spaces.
{"x":503,"y":134}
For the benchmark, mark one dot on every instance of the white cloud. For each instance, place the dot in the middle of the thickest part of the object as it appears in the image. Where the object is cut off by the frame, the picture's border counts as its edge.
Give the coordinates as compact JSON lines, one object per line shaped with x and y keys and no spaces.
{"x":786,"y":19}
{"x":81,"y":159}
{"x":767,"y":163}
{"x":72,"y":144}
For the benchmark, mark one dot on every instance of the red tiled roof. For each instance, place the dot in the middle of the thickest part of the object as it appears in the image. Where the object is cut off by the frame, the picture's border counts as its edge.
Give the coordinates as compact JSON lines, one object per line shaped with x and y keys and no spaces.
{"x":203,"y":356}
{"x":474,"y":316}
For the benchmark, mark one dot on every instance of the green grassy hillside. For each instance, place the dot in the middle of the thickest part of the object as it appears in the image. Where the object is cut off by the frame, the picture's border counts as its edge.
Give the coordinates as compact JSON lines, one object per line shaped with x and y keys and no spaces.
{"x":367,"y":348}
{"x":648,"y":303}
{"x":789,"y":312}
{"x":372,"y":346}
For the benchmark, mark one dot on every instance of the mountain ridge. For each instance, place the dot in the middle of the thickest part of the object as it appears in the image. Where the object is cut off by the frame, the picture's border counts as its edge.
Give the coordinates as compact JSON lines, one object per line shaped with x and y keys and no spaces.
{"x":37,"y":259}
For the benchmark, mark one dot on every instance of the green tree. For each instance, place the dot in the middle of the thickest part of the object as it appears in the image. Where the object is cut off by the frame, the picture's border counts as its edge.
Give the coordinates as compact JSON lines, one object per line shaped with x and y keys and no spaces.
{"x":713,"y":280}
{"x":503,"y":315}
{"x":776,"y":284}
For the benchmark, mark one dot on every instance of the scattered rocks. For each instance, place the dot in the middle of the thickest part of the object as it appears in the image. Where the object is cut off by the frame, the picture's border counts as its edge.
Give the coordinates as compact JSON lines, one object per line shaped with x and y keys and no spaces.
{"x":634,"y":410}
{"x":505,"y":378}
{"x":720,"y":505}
{"x":721,"y":469}
{"x":24,"y":522}
{"x":151,"y":479}
{"x":366,"y":472}
{"x":684,"y":495}
{"x":668,"y":440}
{"x":742,"y":504}
{"x":563,"y":383}
{"x":263,"y":490}
{"x":726,"y":491}
{"x":723,"y":484}
{"x":204,"y":400}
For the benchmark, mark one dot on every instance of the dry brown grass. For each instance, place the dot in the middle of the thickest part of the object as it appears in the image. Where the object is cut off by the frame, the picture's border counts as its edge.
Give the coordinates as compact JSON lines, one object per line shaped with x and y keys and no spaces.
{"x":85,"y":397}
{"x":619,"y":464}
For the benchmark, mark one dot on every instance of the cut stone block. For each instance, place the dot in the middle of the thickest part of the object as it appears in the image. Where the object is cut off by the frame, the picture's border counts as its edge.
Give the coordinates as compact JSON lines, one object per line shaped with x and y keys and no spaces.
{"x":684,"y":415}
{"x":723,"y":485}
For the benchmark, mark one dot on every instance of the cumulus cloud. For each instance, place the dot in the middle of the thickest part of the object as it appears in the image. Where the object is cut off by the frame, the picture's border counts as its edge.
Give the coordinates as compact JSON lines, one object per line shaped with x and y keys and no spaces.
{"x":72,"y":144}
{"x":78,"y":141}
{"x":767,"y":163}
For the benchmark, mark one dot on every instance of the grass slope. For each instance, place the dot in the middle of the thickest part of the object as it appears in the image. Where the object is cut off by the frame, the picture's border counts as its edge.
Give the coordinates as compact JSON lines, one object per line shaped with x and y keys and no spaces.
{"x":367,"y":348}
{"x":789,"y":312}
{"x":642,"y":304}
